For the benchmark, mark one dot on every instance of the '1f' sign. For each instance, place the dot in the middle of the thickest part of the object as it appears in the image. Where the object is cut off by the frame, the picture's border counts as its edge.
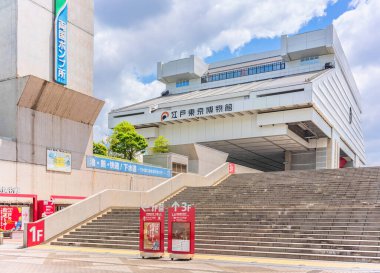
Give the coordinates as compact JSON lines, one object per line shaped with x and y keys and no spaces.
{"x":36,"y":233}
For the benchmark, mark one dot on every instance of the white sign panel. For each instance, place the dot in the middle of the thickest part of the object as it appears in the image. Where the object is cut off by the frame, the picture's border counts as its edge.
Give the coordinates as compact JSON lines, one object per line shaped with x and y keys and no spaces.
{"x":25,"y":216}
{"x":57,"y":160}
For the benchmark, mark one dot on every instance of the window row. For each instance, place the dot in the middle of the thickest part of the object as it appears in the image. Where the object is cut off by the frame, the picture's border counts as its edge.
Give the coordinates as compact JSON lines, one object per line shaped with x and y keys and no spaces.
{"x":244,"y":72}
{"x":182,"y":83}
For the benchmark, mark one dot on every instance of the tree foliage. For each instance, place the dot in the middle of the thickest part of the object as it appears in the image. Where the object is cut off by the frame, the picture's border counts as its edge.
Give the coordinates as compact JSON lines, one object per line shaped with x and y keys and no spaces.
{"x":125,"y":141}
{"x":99,"y":148}
{"x":161,"y":145}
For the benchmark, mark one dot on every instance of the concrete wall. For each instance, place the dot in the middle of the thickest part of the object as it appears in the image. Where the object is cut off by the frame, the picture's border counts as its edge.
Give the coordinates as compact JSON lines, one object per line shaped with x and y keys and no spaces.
{"x":166,"y":160}
{"x":8,"y":17}
{"x":202,"y":159}
{"x":35,"y":179}
{"x":10,"y":92}
{"x":38,"y":131}
{"x":333,"y":97}
{"x":35,"y":42}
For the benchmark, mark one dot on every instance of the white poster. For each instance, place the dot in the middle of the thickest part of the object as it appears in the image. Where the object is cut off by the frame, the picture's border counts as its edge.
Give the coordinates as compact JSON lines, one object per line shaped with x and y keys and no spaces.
{"x":25,"y":216}
{"x":181,"y":245}
{"x":57,"y":160}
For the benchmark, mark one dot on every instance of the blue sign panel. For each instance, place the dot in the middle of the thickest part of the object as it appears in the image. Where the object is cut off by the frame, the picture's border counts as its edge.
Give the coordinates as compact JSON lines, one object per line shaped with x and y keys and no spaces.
{"x":126,"y":167}
{"x":60,"y":26}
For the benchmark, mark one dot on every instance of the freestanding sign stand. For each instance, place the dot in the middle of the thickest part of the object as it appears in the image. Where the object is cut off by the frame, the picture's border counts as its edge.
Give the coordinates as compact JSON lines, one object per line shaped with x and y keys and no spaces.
{"x":152,"y":224}
{"x":181,"y":228}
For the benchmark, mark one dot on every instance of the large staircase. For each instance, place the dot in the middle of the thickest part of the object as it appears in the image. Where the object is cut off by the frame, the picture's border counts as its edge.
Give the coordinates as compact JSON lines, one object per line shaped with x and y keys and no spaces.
{"x":325,"y":215}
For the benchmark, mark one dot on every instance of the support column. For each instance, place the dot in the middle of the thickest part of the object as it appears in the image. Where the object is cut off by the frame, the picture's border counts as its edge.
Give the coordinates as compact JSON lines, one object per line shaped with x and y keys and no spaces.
{"x":333,"y":151}
{"x":288,"y":160}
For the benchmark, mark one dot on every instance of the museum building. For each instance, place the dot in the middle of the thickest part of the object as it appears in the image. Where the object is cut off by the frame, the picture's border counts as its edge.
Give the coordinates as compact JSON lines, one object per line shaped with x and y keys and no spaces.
{"x":295,"y":108}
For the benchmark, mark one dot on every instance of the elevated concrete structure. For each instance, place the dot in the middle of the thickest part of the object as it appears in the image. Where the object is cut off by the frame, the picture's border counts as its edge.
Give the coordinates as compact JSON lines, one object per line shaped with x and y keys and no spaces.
{"x":293,"y":108}
{"x":37,"y":113}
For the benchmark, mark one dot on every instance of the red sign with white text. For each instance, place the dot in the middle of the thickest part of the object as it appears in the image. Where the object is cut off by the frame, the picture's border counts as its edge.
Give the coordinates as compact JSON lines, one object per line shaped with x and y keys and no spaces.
{"x":231,"y":168}
{"x":10,"y":218}
{"x":45,"y":208}
{"x":152,"y":223}
{"x":181,"y":229}
{"x":36,"y":233}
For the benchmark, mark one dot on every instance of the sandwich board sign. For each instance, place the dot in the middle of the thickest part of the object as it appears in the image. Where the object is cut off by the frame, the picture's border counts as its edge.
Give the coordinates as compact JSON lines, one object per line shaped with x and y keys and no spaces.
{"x":181,"y":229}
{"x":152,"y":227}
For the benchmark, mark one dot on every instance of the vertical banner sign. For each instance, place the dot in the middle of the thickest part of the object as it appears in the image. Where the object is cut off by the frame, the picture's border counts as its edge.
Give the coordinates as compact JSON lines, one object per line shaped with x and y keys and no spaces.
{"x":181,"y":229}
{"x":152,"y":223}
{"x":231,"y":168}
{"x":35,"y":233}
{"x":60,"y":48}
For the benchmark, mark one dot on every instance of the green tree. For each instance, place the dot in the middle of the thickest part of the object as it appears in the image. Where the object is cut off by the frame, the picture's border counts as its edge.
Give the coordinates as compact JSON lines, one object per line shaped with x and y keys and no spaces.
{"x":126,"y":141}
{"x":99,"y":148}
{"x":161,"y":145}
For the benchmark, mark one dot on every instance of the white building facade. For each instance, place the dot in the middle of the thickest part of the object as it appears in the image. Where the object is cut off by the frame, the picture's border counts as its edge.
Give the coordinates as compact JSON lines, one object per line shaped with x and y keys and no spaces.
{"x":289,"y":109}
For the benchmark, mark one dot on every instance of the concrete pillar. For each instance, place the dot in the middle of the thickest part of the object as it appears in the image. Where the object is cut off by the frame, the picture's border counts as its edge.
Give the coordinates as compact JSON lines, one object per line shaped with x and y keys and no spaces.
{"x":333,"y":151}
{"x":288,"y":160}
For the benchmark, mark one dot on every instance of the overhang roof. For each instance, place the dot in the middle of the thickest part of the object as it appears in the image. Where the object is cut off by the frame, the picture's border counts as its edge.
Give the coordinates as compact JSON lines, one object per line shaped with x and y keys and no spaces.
{"x":55,"y":99}
{"x":235,"y":90}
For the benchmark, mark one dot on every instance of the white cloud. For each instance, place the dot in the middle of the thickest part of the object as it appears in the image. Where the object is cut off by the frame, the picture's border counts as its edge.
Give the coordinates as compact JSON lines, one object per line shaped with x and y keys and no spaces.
{"x":128,"y":47}
{"x":358,"y":32}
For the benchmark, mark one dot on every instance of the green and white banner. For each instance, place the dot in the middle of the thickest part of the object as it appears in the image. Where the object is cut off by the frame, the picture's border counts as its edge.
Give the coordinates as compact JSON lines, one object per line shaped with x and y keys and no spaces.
{"x":60,"y":26}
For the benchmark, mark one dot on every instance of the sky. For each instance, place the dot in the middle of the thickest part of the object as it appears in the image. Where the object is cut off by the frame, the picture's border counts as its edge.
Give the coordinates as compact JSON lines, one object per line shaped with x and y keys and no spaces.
{"x":131,"y":36}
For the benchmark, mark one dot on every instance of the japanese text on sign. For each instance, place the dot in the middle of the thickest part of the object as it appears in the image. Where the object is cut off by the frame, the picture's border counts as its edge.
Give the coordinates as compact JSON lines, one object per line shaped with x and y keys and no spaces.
{"x":126,"y":167}
{"x":61,"y":41}
{"x":198,"y":111}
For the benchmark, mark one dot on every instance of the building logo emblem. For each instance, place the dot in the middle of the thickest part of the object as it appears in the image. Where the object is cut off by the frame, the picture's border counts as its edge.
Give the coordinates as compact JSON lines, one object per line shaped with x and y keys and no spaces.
{"x":60,"y":46}
{"x":164,"y":116}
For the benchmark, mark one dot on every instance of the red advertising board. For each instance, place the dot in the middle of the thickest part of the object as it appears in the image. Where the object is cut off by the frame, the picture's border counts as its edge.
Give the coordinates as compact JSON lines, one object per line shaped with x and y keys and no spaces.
{"x":231,"y":168}
{"x":152,"y":226}
{"x":181,"y":230}
{"x":35,"y":233}
{"x":45,"y":208}
{"x":11,"y":218}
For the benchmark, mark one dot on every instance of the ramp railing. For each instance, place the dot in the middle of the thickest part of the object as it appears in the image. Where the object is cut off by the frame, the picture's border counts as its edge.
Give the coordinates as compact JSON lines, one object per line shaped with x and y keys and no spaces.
{"x":72,"y":216}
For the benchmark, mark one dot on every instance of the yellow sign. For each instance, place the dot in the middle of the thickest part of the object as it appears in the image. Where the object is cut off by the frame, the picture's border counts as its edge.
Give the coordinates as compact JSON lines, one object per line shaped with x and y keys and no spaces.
{"x":57,"y":160}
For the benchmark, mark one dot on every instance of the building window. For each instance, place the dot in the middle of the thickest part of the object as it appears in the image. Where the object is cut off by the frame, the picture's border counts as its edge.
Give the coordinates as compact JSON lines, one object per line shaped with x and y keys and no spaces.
{"x":182,"y":83}
{"x":309,"y":60}
{"x":252,"y":70}
{"x":179,"y":168}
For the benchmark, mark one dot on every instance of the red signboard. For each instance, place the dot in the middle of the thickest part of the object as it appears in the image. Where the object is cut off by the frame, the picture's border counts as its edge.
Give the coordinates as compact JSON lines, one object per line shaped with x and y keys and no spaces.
{"x":45,"y":208}
{"x":181,"y":229}
{"x":36,"y":233}
{"x":10,"y":218}
{"x":152,"y":223}
{"x":231,"y":168}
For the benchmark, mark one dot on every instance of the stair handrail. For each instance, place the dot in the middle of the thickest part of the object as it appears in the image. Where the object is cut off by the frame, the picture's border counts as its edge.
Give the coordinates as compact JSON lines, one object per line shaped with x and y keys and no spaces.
{"x":72,"y":216}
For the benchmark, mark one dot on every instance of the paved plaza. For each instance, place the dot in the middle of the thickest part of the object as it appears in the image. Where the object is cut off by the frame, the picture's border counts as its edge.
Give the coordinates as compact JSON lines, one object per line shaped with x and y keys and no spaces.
{"x":50,"y":259}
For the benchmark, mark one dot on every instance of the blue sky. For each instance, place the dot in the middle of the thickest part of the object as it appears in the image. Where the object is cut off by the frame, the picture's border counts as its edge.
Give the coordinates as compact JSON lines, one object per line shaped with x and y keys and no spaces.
{"x":131,"y":36}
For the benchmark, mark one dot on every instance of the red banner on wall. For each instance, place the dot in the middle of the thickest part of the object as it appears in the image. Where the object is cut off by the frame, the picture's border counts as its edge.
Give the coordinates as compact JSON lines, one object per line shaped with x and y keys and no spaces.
{"x":10,"y":218}
{"x":45,"y":208}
